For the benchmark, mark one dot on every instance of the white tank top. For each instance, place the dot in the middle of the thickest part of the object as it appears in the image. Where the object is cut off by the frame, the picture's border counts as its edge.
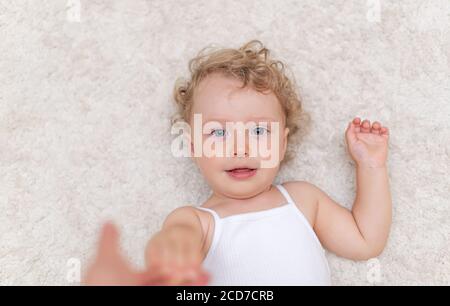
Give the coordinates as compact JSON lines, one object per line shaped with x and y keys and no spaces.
{"x":276,"y":246}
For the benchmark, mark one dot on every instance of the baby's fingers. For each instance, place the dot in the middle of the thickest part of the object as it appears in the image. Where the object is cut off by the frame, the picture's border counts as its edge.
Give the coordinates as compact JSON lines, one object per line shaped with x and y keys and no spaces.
{"x":183,"y":278}
{"x":384,"y":131}
{"x":201,"y":280}
{"x":108,"y":244}
{"x":155,"y":279}
{"x":350,"y":133}
{"x":376,"y":128}
{"x":175,"y":275}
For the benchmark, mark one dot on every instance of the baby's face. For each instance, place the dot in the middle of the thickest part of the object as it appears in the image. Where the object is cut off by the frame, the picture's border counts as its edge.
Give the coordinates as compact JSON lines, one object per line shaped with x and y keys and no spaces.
{"x":256,"y":117}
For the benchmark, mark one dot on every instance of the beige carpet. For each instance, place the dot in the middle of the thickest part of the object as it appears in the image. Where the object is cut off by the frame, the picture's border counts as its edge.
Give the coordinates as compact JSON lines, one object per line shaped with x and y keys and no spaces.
{"x":85,"y":101}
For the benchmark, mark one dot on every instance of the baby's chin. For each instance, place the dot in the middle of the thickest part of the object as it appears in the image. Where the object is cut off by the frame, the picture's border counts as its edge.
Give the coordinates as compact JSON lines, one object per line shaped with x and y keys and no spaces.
{"x":243,"y":188}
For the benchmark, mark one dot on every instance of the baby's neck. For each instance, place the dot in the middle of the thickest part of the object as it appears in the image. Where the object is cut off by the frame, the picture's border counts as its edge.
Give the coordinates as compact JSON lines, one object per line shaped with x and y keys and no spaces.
{"x":218,"y":197}
{"x":227,"y":206}
{"x":248,"y":200}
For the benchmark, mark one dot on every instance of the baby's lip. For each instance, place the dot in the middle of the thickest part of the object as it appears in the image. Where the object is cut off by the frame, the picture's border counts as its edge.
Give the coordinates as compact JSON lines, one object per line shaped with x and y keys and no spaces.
{"x":241,"y":168}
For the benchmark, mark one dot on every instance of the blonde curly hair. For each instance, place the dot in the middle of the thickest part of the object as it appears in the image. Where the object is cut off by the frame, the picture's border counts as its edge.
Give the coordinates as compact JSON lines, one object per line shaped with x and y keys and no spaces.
{"x":253,"y":65}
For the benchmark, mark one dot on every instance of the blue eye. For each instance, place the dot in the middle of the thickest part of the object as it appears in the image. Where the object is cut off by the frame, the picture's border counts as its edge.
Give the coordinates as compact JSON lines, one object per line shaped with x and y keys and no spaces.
{"x":259,"y":131}
{"x":218,"y":133}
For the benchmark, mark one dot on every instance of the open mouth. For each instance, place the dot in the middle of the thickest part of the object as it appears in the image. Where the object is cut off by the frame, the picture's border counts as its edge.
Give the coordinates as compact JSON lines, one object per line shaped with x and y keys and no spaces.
{"x":241,"y":173}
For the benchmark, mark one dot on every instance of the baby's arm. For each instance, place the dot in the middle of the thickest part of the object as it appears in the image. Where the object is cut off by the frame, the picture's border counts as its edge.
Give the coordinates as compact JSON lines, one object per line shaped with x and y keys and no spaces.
{"x":362,"y":233}
{"x":176,"y":251}
{"x":169,"y":255}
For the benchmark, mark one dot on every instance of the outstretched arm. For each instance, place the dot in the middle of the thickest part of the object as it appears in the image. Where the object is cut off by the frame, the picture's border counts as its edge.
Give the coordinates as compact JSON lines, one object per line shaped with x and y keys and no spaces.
{"x":362,"y":233}
{"x":110,"y":267}
{"x":173,"y":255}
{"x":176,"y":251}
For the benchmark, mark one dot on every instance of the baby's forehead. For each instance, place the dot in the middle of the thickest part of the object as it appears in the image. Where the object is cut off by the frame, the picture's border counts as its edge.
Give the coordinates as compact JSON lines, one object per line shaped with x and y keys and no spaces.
{"x":239,"y":111}
{"x":216,"y":81}
{"x":221,"y":98}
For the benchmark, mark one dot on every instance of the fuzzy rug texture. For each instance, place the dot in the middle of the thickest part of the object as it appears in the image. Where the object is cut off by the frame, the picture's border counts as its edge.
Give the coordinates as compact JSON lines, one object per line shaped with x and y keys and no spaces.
{"x":85,"y":102}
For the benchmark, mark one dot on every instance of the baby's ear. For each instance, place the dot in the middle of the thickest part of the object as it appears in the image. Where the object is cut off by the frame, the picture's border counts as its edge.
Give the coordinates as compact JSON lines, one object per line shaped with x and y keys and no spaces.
{"x":286,"y":132}
{"x":192,"y":151}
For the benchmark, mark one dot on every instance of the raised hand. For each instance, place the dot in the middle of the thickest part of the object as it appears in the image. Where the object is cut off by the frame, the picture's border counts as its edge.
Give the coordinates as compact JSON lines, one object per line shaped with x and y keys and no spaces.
{"x":367,"y":144}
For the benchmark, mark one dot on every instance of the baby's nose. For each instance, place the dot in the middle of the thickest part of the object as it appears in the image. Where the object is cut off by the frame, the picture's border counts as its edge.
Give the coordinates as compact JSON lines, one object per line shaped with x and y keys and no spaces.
{"x":241,"y":154}
{"x":241,"y":145}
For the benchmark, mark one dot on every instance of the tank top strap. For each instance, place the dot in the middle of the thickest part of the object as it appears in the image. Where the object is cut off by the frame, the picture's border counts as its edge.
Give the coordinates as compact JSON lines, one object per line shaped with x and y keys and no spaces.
{"x":285,"y":194}
{"x":217,"y":231}
{"x":211,"y":211}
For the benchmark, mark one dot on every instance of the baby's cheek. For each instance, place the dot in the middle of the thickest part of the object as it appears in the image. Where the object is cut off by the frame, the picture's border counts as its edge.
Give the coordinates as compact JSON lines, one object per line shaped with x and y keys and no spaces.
{"x":212,"y":147}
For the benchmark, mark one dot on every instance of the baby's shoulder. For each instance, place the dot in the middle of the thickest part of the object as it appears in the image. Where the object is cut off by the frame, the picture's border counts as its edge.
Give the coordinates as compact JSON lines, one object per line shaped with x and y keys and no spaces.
{"x":183,"y":214}
{"x":187,"y":211}
{"x":190,"y":214}
{"x":302,"y":189}
{"x":305,"y":196}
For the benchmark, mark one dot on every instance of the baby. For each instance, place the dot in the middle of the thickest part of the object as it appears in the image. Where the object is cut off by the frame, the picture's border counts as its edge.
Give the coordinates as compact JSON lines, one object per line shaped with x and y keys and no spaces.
{"x":251,"y":231}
